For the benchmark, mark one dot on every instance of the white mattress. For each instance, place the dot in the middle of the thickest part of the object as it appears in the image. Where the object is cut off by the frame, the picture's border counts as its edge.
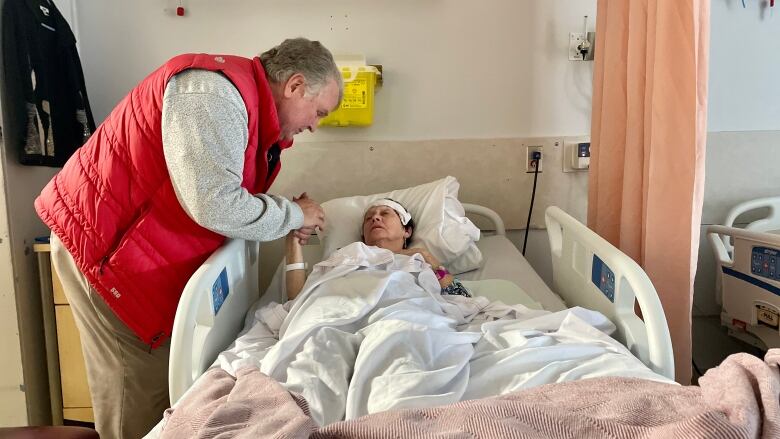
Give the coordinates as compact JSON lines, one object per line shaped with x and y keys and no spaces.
{"x":502,"y":260}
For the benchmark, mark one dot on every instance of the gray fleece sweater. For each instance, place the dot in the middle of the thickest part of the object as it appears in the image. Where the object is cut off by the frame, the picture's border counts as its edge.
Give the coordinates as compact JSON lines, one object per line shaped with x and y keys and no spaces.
{"x":204,"y":133}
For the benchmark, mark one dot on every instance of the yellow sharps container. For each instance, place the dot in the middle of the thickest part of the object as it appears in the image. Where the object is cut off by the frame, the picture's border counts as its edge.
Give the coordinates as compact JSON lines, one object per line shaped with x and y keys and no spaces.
{"x":357,"y":106}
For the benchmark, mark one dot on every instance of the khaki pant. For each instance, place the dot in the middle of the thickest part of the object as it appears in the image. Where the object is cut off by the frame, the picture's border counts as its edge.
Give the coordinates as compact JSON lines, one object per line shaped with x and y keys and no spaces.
{"x":128,"y":384}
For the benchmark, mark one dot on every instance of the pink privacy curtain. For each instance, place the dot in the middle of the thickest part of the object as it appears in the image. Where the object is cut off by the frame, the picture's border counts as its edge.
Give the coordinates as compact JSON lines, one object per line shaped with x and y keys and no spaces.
{"x":648,"y":138}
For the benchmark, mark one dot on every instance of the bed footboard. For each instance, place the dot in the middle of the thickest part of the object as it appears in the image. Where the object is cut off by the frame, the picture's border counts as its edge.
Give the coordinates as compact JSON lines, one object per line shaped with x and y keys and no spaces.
{"x":590,"y":272}
{"x":211,"y":312}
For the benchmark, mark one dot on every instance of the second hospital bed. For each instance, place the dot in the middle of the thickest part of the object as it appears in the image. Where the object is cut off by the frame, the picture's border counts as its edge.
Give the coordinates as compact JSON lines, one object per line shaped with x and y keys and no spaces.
{"x":587,"y":272}
{"x":747,"y":276}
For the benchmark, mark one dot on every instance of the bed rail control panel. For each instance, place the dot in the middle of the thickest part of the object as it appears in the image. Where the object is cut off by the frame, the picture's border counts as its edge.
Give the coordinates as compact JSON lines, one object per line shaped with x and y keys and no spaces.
{"x":219,"y":291}
{"x":603,"y":277}
{"x":765,"y":262}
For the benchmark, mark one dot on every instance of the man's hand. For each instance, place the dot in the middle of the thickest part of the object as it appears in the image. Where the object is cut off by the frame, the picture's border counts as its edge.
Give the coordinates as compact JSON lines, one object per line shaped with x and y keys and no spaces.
{"x":313,"y":217}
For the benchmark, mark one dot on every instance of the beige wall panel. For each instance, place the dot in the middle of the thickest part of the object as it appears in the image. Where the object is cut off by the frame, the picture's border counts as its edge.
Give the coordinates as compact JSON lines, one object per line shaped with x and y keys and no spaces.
{"x":491,"y":172}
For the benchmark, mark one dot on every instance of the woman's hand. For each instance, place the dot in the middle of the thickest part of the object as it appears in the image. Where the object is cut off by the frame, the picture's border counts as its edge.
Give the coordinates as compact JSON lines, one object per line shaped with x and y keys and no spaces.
{"x":431,"y":260}
{"x":293,"y":239}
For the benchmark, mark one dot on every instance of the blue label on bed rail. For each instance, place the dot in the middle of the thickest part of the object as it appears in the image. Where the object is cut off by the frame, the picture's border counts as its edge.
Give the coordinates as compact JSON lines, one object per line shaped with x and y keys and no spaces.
{"x":220,"y":291}
{"x":603,"y":278}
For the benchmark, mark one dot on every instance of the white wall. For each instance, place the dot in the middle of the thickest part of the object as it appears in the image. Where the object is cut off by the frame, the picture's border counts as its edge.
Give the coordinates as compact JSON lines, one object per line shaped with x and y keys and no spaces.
{"x":743,"y":144}
{"x":453,"y":69}
{"x":744,"y":61}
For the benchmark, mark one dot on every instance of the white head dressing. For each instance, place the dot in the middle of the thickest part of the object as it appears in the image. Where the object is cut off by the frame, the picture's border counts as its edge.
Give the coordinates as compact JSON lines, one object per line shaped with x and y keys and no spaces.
{"x":402,"y":213}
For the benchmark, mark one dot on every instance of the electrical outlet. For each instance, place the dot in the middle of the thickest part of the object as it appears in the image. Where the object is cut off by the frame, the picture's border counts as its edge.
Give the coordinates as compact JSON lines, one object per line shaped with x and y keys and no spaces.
{"x":530,"y":165}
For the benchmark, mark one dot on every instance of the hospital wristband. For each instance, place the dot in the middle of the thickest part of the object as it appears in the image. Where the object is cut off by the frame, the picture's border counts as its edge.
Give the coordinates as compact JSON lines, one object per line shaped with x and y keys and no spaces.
{"x":295,"y":266}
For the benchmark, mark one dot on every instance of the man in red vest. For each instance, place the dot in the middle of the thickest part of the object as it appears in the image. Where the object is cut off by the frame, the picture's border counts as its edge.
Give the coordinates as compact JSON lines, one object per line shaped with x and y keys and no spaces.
{"x":181,"y":163}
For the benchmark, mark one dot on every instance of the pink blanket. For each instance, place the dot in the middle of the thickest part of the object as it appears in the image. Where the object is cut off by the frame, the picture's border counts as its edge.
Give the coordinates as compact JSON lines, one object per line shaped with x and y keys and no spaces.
{"x":738,"y":399}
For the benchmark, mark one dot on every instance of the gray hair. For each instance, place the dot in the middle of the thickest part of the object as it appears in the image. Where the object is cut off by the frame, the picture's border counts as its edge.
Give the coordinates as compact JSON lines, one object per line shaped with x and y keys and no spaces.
{"x":309,"y":58}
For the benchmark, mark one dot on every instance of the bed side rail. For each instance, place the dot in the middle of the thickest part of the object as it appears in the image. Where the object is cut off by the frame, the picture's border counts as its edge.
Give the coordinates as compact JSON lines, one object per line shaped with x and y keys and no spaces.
{"x":211,"y":312}
{"x":770,"y":221}
{"x":498,"y":223}
{"x":590,"y":272}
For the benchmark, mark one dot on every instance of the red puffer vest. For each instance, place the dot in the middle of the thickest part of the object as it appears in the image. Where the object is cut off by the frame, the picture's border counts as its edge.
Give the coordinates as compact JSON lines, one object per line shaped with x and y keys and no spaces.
{"x":114,"y":208}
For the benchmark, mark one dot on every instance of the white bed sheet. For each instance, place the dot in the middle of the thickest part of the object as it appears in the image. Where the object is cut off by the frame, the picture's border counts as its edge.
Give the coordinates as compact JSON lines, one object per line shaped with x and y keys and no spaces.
{"x":371,"y":332}
{"x":527,"y":350}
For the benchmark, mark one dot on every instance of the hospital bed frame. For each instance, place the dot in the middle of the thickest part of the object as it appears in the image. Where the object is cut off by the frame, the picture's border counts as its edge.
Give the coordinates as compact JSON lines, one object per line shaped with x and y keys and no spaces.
{"x":587,"y":272}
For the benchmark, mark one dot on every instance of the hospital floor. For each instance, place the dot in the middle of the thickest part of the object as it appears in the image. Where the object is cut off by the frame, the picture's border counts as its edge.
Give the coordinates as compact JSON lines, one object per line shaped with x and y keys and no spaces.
{"x":712,"y":344}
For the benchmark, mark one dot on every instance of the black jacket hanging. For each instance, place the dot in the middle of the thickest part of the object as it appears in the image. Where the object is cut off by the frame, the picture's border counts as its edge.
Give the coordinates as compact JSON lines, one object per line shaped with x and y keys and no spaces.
{"x":46,"y":114}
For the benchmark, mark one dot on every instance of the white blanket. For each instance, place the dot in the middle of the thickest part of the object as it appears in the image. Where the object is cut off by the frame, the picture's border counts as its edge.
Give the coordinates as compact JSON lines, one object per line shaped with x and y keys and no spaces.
{"x":371,"y":332}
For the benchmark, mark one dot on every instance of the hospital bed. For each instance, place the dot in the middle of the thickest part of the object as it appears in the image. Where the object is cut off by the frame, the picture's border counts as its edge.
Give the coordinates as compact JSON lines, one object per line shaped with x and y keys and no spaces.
{"x":748,"y":272}
{"x":587,"y":272}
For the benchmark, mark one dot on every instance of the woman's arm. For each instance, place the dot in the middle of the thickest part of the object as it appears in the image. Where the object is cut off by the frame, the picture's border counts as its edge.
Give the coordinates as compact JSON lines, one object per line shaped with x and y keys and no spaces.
{"x":295,"y":278}
{"x":445,"y":281}
{"x":448,"y":283}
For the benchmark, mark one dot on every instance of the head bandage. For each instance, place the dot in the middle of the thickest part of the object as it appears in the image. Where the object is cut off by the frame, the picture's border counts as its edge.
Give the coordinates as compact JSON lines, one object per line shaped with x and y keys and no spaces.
{"x":402,"y":213}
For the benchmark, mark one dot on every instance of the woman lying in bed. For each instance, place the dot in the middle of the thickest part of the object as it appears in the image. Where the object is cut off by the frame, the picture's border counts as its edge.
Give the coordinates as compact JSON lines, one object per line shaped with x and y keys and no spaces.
{"x":388,"y":225}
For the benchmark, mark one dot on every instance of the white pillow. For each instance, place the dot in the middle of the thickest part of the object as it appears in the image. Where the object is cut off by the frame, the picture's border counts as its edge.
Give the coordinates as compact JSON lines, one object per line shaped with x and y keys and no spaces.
{"x":440,"y":223}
